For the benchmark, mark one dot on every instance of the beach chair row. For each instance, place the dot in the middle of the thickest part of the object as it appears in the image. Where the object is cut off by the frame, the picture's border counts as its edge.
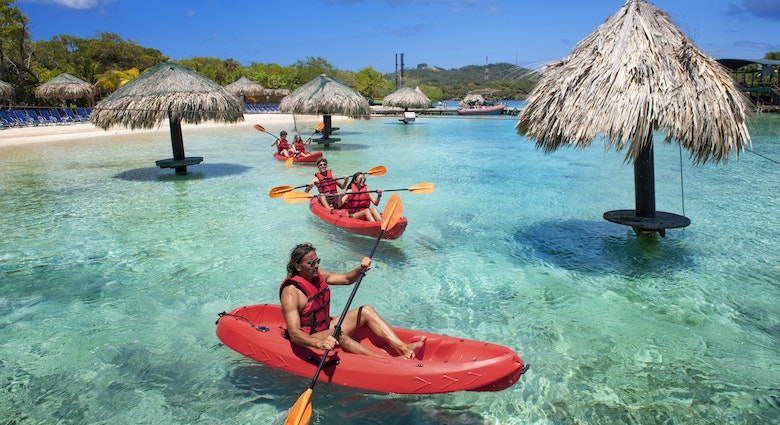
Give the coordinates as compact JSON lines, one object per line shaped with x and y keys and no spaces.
{"x":28,"y":117}
{"x":261,"y":108}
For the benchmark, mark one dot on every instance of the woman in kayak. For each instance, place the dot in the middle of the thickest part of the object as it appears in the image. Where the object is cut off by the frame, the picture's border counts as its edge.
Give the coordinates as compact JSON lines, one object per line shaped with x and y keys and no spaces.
{"x":327,"y":185}
{"x":282,"y":145}
{"x":305,"y":299}
{"x":357,"y":199}
{"x":299,"y":146}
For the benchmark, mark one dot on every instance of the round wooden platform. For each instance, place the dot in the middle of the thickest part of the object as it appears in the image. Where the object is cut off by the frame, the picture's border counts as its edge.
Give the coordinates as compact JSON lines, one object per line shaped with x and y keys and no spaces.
{"x":326,"y":142}
{"x":175,"y":163}
{"x":659,"y":223}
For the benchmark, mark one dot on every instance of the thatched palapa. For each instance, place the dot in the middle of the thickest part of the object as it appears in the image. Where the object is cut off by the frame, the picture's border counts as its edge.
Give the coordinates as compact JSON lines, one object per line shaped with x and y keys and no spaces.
{"x":407,"y":97}
{"x":635,"y":74}
{"x":244,"y":87}
{"x":325,"y":95}
{"x":173,"y":92}
{"x":65,"y":87}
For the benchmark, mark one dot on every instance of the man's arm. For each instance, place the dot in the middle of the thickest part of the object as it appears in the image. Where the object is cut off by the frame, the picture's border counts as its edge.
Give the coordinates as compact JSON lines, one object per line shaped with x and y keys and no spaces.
{"x":292,"y":318}
{"x":349,"y":277}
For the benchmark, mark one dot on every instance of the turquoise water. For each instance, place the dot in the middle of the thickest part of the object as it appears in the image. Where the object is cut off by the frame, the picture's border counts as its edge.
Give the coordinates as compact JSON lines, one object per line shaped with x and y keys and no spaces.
{"x":113,"y":273}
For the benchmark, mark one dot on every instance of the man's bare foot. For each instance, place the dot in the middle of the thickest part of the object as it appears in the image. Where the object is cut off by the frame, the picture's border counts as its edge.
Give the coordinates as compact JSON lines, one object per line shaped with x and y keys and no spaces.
{"x":409,"y":349}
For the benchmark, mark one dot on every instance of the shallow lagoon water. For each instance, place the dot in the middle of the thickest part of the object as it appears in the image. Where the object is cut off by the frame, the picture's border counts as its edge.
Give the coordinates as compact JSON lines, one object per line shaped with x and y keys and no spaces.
{"x":114,"y":271}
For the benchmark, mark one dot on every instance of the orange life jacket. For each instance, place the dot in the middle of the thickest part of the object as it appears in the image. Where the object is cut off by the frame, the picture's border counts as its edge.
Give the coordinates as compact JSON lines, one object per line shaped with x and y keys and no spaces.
{"x":315,"y":315}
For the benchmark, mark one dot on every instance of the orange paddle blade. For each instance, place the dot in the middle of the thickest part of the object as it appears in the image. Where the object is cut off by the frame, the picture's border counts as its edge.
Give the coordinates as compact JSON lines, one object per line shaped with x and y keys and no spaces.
{"x":320,"y":126}
{"x":278,"y":191}
{"x":422,"y":188}
{"x":296,"y":197}
{"x":259,"y":127}
{"x":379,"y":170}
{"x":392,"y":212}
{"x":289,"y":162}
{"x":300,"y":413}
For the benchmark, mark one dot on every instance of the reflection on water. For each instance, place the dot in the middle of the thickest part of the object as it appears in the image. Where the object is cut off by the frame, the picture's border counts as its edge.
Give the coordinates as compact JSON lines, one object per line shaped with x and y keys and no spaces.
{"x":113,"y":272}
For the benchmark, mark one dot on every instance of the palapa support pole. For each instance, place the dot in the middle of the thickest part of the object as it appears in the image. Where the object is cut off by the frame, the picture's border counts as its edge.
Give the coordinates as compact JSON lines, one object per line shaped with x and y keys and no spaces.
{"x":177,"y":142}
{"x":644,"y":180}
{"x":326,"y":130}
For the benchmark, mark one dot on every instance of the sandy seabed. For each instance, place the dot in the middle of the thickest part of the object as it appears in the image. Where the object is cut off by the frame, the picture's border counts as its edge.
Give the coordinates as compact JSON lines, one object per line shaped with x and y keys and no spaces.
{"x":53,"y":133}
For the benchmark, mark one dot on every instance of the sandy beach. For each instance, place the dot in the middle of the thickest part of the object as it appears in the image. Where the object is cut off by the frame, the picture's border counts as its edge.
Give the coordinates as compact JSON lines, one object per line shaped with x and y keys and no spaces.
{"x":81,"y":131}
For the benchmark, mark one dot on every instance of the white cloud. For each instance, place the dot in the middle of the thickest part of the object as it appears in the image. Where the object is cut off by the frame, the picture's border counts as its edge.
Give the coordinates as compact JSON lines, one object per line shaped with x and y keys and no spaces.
{"x":73,"y":4}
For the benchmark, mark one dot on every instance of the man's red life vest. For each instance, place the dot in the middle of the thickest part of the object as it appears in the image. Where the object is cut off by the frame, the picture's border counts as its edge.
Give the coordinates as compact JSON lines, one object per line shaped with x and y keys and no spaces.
{"x":282,"y":145}
{"x":358,"y":202}
{"x":327,"y":184}
{"x":315,"y":315}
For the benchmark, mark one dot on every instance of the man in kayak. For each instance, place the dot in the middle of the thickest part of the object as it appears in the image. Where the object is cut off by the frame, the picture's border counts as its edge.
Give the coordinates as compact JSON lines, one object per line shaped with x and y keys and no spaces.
{"x":305,"y":299}
{"x":327,"y":185}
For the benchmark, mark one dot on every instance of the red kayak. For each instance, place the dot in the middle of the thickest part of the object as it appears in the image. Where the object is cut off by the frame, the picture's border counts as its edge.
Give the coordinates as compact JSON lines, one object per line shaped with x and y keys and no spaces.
{"x":444,"y":364}
{"x":313,"y":157}
{"x":340,"y":218}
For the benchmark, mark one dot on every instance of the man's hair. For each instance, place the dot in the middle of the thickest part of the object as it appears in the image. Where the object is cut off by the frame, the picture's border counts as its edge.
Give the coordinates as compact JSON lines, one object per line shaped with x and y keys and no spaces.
{"x":296,"y":256}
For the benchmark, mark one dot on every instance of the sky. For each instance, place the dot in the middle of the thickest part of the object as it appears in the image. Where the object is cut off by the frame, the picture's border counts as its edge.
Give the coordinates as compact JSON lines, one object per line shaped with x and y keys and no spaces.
{"x":357,"y":34}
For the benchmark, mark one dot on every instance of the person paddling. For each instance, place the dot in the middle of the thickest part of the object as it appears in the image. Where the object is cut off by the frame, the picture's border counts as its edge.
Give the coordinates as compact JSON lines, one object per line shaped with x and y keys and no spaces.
{"x":282,"y":145}
{"x":327,"y":185}
{"x":305,"y":300}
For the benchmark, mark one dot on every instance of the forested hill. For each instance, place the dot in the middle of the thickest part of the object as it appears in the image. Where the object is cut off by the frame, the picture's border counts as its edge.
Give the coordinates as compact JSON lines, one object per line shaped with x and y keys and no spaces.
{"x":509,"y":81}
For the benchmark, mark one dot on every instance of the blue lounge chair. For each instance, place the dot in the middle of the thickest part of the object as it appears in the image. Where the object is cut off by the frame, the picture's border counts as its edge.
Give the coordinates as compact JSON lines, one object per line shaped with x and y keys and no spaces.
{"x":34,"y":117}
{"x":22,"y":117}
{"x":58,"y":118}
{"x":72,"y":115}
{"x":84,"y":113}
{"x":45,"y":117}
{"x":9,"y":119}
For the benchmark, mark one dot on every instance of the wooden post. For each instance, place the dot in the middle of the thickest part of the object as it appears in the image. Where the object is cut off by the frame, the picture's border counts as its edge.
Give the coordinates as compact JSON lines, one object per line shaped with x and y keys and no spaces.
{"x":326,"y":130}
{"x":644,"y":180}
{"x":177,"y":142}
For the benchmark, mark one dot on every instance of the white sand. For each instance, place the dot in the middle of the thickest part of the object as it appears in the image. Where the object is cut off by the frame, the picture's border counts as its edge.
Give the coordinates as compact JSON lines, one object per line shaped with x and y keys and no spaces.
{"x":53,"y":133}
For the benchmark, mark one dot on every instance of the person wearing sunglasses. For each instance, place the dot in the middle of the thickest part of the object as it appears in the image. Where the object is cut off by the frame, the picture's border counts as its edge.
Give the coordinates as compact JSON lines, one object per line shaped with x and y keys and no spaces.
{"x":282,"y":145}
{"x":327,"y":185}
{"x":357,"y":200}
{"x":305,"y":300}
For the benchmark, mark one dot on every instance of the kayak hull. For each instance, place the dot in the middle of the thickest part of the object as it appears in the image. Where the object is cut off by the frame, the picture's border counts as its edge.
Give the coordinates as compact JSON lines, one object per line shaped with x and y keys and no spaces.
{"x":444,"y":364}
{"x":309,"y":158}
{"x":341,"y":219}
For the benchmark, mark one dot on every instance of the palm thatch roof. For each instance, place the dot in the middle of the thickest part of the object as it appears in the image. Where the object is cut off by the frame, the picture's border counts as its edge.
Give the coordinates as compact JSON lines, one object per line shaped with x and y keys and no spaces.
{"x":637,"y":73}
{"x":6,"y":90}
{"x":64,"y":86}
{"x":247,"y":88}
{"x":325,"y":95}
{"x":167,"y":91}
{"x":407,"y":97}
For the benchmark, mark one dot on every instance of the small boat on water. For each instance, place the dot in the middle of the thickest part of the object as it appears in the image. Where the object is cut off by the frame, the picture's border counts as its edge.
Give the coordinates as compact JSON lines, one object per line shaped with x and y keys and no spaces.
{"x":483,"y":110}
{"x":312,"y":157}
{"x":443,"y":364}
{"x":341,"y":219}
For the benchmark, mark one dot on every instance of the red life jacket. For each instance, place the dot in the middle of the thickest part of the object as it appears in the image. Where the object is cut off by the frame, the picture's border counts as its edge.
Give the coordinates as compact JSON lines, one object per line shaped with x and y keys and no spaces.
{"x":358,"y":202}
{"x":299,"y":147}
{"x":327,"y":183}
{"x":315,"y":315}
{"x":282,"y":145}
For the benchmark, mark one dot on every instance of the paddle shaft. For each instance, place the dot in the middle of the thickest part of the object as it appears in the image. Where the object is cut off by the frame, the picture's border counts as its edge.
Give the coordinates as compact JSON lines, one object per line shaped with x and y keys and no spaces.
{"x":337,"y":329}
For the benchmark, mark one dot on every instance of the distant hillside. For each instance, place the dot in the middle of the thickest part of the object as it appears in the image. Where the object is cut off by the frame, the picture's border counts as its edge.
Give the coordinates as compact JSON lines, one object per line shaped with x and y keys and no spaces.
{"x":509,"y":81}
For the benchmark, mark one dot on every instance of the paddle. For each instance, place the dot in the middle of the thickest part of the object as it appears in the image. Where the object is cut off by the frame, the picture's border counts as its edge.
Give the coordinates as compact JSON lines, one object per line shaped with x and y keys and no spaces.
{"x":300,"y":413}
{"x":298,"y":197}
{"x":259,"y":127}
{"x":278,"y":191}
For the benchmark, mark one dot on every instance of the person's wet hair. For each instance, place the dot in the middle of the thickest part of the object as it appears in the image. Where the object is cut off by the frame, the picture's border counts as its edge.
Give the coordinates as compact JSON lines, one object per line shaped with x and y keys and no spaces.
{"x":296,"y":256}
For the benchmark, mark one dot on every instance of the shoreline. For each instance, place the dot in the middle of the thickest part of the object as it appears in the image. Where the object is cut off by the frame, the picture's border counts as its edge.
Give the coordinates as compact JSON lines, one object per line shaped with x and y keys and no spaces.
{"x":16,"y":136}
